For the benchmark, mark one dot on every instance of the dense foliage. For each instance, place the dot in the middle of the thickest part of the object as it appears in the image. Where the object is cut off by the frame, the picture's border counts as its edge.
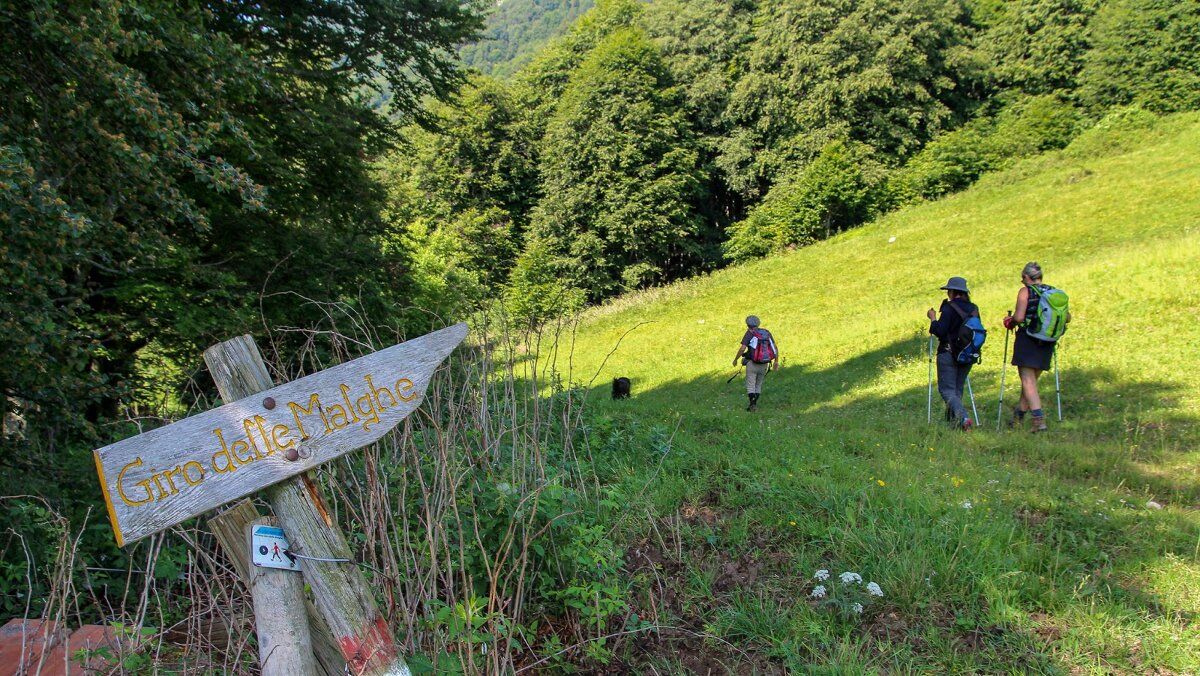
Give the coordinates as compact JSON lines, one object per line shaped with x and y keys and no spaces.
{"x":174,"y":174}
{"x":516,"y":29}
{"x":768,"y":125}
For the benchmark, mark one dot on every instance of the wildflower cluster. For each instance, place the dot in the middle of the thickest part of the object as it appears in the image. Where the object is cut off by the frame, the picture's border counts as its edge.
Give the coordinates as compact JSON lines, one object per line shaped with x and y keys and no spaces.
{"x":849,"y":598}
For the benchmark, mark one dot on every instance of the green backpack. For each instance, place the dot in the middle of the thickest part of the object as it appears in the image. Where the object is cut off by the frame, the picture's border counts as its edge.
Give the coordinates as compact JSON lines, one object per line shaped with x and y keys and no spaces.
{"x":1048,"y":321}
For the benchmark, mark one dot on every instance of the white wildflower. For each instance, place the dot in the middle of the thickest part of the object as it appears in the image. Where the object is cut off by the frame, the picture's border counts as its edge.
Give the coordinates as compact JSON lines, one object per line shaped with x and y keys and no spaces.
{"x":967,"y":504}
{"x":818,"y":592}
{"x":874,"y":589}
{"x":857,"y":607}
{"x":848,"y":577}
{"x":821,"y":575}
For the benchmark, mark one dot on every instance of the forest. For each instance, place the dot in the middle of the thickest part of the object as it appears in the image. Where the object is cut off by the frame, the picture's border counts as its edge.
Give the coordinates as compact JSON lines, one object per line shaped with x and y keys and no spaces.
{"x":172,"y":175}
{"x":662,"y":140}
{"x":515,"y":30}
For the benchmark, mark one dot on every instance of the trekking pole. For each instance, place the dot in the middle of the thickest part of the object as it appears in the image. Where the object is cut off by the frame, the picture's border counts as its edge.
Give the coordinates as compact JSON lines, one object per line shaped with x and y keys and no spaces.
{"x":974,"y":411}
{"x":929,"y":406}
{"x":735,"y":374}
{"x":1003,"y":372}
{"x":1057,"y":387}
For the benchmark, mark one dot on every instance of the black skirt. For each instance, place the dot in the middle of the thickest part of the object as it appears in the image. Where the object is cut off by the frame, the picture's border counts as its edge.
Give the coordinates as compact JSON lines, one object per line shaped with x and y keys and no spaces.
{"x":1031,"y":352}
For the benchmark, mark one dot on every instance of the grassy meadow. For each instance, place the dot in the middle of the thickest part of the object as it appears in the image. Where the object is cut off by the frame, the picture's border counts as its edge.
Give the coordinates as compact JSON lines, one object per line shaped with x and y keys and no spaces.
{"x":995,"y":552}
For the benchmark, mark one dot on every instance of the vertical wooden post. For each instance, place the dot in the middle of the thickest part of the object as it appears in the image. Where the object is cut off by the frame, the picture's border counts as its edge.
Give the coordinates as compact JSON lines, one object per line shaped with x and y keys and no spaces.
{"x":284,"y":643}
{"x":229,"y":528}
{"x":340,"y":592}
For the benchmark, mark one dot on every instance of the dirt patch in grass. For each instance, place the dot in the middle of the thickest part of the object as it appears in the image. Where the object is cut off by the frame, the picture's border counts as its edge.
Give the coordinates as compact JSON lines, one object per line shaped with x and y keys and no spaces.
{"x":1031,"y":517}
{"x":1045,"y":627}
{"x":667,"y":597}
{"x":889,"y":625}
{"x":699,"y":514}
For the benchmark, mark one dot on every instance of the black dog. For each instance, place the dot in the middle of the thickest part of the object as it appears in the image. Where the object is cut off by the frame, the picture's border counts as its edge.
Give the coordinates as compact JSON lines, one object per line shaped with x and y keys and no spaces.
{"x":621,"y":387}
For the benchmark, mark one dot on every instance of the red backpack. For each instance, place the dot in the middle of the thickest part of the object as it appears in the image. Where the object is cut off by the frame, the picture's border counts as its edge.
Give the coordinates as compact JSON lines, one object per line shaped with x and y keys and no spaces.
{"x":762,"y":346}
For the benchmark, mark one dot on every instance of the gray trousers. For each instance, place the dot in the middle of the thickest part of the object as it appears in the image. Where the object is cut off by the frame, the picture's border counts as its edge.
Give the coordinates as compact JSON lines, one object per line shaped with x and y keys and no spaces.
{"x":952,"y":377}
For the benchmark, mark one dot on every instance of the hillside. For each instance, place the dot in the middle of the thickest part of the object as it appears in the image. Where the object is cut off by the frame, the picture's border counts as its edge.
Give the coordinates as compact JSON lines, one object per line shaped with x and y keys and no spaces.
{"x":995,"y":551}
{"x":516,"y":29}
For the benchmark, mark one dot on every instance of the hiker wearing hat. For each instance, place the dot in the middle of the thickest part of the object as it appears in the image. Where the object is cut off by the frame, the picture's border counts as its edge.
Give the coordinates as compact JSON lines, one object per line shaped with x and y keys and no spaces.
{"x":1033,"y":349}
{"x":759,"y":353}
{"x":946,"y":325}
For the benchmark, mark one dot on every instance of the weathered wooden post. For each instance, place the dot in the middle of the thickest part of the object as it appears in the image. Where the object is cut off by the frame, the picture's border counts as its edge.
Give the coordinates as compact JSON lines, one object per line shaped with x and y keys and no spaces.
{"x":262,"y":436}
{"x":229,"y":527}
{"x":340,"y":591}
{"x":284,"y":642}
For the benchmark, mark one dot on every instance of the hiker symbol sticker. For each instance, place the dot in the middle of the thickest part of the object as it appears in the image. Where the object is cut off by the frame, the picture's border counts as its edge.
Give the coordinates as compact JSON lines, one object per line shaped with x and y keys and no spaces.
{"x":269,"y":549}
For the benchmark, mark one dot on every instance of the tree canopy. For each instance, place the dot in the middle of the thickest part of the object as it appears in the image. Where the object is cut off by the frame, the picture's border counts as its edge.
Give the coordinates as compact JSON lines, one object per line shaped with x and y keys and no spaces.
{"x":166,"y":167}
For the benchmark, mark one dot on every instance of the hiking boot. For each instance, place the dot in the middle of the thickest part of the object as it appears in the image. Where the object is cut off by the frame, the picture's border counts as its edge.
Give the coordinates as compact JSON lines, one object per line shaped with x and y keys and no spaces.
{"x":967,"y":425}
{"x":1018,"y":417}
{"x":752,"y":407}
{"x":1038,"y":423}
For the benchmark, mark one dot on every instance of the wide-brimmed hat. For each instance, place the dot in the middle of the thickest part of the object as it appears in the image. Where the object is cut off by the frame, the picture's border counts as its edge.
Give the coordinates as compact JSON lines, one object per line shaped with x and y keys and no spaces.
{"x":956,"y":284}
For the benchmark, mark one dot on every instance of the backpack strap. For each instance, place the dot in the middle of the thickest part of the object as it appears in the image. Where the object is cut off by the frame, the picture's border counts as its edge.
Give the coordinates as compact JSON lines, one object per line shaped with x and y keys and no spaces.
{"x":962,"y":313}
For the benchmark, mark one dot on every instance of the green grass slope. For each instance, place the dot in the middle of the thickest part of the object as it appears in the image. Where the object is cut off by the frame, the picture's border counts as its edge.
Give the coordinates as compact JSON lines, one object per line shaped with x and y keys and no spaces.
{"x":1058,"y":565}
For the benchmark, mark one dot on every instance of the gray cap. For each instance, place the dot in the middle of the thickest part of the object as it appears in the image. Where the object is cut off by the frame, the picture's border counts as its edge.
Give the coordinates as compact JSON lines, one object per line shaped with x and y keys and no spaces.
{"x":956,"y":284}
{"x":752,"y":322}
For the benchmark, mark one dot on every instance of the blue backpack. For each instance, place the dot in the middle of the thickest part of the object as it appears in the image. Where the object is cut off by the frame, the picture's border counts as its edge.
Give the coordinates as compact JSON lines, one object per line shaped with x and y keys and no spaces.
{"x":967,"y":346}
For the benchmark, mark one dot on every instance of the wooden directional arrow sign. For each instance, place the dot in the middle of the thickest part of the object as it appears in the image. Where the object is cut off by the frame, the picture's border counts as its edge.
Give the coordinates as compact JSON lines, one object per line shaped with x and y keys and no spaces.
{"x":157,"y":479}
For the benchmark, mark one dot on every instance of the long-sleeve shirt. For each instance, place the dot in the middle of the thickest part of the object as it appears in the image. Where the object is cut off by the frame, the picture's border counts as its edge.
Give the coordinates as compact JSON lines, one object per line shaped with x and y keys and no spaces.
{"x":946,"y":326}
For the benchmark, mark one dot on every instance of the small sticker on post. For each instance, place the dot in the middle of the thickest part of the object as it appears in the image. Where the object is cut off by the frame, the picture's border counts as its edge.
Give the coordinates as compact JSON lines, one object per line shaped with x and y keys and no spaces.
{"x":269,"y":549}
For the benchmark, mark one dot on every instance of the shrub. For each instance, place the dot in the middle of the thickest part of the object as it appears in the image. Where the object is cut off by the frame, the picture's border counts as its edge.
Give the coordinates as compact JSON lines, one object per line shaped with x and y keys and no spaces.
{"x":535,"y":291}
{"x":840,"y":188}
{"x":955,"y":160}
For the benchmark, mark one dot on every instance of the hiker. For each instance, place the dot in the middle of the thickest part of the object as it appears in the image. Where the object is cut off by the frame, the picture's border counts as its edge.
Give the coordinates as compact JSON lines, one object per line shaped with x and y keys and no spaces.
{"x":953,"y":365}
{"x":1033,"y":350}
{"x":759,"y":353}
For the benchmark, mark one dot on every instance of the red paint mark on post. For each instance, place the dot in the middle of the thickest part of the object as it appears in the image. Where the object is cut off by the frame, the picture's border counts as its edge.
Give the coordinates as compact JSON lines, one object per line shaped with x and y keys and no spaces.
{"x":373,"y":650}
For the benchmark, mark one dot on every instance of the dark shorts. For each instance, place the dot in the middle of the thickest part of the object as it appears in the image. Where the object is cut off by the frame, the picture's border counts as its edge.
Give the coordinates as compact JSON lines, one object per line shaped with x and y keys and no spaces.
{"x":1031,"y":352}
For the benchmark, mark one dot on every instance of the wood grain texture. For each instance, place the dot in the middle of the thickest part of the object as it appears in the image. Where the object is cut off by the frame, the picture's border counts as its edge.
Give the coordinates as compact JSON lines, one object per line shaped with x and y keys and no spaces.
{"x":164,"y":476}
{"x":229,"y":527}
{"x":339,"y":590}
{"x":280,"y":622}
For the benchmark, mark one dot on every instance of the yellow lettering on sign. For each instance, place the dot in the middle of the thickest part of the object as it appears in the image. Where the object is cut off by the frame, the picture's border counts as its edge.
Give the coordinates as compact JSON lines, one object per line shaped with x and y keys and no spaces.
{"x":259,"y":423}
{"x":375,"y":391}
{"x":241,"y":444}
{"x":188,"y":477}
{"x":282,"y":430}
{"x":230,"y":463}
{"x":369,"y":414}
{"x":405,"y":385}
{"x":345,"y":389}
{"x":314,"y":403}
{"x":336,"y":413}
{"x":144,"y":484}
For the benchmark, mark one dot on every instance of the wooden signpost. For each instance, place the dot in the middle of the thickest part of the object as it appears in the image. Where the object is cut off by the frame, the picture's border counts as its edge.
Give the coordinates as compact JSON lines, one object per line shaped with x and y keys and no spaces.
{"x":158,"y":479}
{"x":263,"y":436}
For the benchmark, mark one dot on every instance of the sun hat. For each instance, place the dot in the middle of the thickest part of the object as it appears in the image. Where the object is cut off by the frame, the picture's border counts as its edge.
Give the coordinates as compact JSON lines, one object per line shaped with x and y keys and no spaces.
{"x":956,"y":284}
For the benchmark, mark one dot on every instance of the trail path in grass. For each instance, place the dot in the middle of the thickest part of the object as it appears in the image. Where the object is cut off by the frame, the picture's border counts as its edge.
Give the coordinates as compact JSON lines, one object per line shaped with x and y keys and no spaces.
{"x":995,"y":551}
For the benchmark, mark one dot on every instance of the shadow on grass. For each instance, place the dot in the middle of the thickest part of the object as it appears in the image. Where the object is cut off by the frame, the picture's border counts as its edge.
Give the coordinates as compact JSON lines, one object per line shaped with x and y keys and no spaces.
{"x":1121,"y":436}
